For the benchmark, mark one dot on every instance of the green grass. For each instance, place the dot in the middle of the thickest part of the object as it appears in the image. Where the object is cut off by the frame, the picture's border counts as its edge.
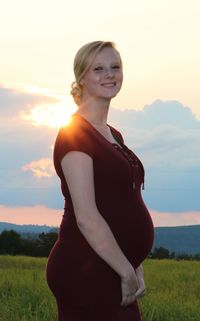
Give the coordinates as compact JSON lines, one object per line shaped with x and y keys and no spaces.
{"x":173,"y":290}
{"x":24,"y":294}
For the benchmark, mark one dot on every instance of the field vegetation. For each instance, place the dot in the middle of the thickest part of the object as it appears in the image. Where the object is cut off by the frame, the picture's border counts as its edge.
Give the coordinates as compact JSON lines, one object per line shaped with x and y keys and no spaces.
{"x":173,"y":290}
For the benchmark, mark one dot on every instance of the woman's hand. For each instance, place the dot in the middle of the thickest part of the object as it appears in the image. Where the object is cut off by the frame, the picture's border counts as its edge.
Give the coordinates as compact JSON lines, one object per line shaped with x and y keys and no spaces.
{"x":133,"y":286}
{"x":140,"y":277}
{"x":130,"y":287}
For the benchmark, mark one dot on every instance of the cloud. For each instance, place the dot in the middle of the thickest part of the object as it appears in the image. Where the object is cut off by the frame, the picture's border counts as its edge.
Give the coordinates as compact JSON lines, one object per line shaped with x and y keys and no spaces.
{"x":175,"y":219}
{"x":165,"y":135}
{"x":20,"y":141}
{"x":43,"y":215}
{"x":13,"y":101}
{"x":50,"y":115}
{"x":157,"y":114}
{"x":37,"y":214}
{"x":41,"y":168}
{"x":169,"y":146}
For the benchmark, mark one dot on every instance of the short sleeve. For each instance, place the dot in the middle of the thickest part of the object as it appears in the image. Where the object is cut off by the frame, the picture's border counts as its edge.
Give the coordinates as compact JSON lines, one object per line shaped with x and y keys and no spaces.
{"x":74,"y":137}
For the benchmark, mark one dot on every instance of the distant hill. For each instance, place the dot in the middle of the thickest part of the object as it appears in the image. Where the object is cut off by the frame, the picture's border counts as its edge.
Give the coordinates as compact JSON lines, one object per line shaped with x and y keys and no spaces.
{"x":26,"y":228}
{"x":179,"y":239}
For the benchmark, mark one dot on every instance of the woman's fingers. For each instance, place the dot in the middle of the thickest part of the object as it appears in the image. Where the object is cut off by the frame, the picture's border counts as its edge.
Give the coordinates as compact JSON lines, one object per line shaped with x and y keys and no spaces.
{"x":142,"y":289}
{"x":129,"y":286}
{"x":140,"y":293}
{"x":128,"y":294}
{"x":128,"y":299}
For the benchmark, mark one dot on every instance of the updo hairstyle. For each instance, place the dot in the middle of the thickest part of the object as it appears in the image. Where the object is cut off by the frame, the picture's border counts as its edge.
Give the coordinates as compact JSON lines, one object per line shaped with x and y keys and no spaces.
{"x":82,"y":62}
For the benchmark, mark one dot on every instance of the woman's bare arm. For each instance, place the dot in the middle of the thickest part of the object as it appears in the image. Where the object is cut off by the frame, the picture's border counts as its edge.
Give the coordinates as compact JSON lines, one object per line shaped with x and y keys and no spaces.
{"x":78,"y":171}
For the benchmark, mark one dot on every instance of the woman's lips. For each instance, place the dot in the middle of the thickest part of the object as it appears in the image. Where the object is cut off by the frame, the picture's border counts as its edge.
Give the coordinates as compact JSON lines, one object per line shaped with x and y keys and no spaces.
{"x":110,"y":84}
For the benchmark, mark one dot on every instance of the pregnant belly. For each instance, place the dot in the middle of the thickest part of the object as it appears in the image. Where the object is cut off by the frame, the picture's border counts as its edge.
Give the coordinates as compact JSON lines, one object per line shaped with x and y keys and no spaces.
{"x":136,"y":233}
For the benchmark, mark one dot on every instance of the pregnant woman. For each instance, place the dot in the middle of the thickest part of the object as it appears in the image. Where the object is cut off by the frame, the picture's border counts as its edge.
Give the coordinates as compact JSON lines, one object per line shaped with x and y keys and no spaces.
{"x":94,"y":270}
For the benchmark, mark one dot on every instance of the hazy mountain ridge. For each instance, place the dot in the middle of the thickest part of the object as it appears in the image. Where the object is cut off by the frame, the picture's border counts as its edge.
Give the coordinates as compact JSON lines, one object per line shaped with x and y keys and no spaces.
{"x":178,"y":239}
{"x":25,"y":228}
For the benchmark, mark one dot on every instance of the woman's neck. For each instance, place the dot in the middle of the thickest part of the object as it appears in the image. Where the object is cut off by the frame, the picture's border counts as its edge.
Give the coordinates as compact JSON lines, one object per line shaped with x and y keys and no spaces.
{"x":95,"y":111}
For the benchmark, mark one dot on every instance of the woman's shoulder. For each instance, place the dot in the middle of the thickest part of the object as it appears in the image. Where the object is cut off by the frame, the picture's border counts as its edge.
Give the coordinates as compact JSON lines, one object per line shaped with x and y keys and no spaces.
{"x":74,"y":129}
{"x":75,"y":136}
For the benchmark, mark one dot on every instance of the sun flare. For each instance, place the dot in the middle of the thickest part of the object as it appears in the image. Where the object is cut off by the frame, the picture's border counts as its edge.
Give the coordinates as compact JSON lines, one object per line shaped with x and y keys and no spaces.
{"x":52,"y":115}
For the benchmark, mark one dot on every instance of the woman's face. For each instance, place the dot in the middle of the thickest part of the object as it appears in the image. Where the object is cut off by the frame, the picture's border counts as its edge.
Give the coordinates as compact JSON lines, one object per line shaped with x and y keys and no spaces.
{"x":104,"y":77}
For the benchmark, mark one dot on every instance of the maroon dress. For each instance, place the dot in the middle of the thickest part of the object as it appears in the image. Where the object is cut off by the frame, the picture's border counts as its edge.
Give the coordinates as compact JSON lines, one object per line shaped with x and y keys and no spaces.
{"x":86,"y":288}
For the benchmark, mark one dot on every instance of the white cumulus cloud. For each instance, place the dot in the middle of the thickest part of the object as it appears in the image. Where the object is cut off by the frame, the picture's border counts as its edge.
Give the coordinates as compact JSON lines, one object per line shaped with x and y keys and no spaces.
{"x":40,"y":168}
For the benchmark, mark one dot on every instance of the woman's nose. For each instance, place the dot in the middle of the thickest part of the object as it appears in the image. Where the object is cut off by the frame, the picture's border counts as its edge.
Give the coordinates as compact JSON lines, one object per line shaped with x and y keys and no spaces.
{"x":108,"y":73}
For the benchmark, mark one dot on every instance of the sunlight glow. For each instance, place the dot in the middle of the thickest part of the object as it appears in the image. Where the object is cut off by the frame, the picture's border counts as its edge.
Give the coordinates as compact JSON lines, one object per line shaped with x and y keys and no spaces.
{"x":51,"y":115}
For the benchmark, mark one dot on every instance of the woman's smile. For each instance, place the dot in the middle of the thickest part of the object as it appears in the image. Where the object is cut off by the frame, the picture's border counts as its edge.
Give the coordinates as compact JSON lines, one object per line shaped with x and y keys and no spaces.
{"x":110,"y":84}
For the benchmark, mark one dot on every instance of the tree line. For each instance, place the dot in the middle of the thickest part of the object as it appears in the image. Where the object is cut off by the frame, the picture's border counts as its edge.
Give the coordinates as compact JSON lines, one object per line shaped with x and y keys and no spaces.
{"x":12,"y":243}
{"x":163,"y":253}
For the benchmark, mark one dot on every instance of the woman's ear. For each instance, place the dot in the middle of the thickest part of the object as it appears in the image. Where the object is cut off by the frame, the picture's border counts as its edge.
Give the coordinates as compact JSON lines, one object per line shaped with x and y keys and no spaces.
{"x":81,"y":82}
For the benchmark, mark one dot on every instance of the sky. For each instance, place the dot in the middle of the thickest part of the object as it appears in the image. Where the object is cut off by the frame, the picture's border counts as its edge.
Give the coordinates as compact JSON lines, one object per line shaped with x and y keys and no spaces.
{"x":157,"y":110}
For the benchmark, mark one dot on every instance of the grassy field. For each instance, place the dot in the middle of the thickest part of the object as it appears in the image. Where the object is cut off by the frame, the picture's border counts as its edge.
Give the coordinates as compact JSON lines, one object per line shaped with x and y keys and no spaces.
{"x":173,"y":290}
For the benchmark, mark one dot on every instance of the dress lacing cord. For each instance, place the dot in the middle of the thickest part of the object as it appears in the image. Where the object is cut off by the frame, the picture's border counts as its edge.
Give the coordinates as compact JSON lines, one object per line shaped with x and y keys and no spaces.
{"x":133,"y":161}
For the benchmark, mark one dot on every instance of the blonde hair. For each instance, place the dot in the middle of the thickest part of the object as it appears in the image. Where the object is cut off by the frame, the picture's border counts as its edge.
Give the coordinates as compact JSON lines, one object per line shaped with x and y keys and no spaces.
{"x":82,"y":62}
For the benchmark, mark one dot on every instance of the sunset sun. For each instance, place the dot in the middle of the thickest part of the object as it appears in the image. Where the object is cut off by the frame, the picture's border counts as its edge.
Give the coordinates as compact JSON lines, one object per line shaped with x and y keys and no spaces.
{"x":51,"y":115}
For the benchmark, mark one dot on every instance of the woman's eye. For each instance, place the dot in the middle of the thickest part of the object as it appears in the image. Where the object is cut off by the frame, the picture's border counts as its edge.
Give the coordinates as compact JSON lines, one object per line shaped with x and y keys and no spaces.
{"x":101,"y":68}
{"x":116,"y":67}
{"x":98,"y":68}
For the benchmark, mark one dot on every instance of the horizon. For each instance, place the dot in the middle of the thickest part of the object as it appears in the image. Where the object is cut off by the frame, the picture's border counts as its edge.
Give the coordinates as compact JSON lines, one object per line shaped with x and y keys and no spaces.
{"x":55,"y":226}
